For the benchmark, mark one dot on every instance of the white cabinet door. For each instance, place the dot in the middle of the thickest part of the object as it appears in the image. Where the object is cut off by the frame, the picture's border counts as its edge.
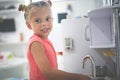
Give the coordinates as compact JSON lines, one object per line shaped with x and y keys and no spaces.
{"x":101,"y":28}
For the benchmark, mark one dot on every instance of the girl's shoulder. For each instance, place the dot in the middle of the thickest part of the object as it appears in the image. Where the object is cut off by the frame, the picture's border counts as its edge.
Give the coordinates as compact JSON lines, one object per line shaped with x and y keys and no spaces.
{"x":35,"y":38}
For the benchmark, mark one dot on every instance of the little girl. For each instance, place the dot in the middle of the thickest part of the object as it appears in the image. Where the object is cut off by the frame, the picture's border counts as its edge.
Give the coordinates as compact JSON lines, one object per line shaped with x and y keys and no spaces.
{"x":40,"y":52}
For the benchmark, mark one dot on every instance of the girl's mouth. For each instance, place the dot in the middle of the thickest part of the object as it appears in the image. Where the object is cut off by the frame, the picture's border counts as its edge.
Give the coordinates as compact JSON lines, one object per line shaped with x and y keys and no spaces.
{"x":45,"y":30}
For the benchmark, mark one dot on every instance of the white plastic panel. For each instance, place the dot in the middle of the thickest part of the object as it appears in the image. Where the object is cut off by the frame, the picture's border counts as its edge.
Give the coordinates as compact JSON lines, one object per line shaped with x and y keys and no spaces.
{"x":101,"y":28}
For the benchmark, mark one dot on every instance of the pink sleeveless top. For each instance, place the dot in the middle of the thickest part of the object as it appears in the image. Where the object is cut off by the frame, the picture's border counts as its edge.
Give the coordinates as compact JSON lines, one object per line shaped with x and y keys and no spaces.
{"x":35,"y":73}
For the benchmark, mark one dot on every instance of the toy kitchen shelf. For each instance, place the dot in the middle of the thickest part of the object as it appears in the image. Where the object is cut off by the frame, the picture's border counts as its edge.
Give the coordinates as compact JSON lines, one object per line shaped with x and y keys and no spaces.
{"x":8,"y":6}
{"x":102,"y":33}
{"x":9,"y":11}
{"x":2,"y":2}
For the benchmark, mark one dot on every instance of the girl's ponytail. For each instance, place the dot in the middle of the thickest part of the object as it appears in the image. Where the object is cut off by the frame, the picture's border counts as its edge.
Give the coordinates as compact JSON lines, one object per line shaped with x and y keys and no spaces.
{"x":22,"y":7}
{"x":50,"y":3}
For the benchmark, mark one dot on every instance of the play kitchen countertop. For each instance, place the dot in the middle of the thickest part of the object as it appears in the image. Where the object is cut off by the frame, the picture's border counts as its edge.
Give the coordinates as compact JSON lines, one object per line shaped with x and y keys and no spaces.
{"x":14,"y":67}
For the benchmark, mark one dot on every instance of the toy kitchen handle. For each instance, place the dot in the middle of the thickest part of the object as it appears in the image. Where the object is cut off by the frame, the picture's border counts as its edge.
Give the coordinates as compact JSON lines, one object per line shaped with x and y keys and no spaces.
{"x":86,"y":35}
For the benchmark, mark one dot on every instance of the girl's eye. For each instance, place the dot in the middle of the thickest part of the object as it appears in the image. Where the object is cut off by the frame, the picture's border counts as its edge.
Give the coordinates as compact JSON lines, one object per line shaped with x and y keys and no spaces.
{"x":49,"y":19}
{"x":38,"y":20}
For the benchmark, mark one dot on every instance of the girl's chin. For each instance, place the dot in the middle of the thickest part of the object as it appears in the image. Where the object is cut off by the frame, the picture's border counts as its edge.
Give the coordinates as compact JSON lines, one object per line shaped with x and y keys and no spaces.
{"x":45,"y":36}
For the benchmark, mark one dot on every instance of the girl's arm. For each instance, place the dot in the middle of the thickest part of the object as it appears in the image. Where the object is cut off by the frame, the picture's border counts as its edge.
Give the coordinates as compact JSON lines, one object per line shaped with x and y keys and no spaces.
{"x":50,"y":73}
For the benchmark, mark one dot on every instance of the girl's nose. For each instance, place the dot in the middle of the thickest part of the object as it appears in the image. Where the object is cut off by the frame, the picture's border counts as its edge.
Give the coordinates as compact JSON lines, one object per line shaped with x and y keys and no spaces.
{"x":44,"y":23}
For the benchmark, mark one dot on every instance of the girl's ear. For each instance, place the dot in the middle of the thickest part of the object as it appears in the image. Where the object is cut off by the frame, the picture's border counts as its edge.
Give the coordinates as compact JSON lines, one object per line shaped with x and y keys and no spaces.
{"x":28,"y":25}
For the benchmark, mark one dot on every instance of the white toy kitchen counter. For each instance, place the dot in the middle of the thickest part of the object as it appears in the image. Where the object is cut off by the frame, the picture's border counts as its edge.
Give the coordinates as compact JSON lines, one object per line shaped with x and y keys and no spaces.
{"x":15,"y":67}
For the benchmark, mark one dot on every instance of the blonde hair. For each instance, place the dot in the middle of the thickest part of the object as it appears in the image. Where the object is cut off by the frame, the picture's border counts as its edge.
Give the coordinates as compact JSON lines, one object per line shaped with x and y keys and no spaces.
{"x":27,"y":9}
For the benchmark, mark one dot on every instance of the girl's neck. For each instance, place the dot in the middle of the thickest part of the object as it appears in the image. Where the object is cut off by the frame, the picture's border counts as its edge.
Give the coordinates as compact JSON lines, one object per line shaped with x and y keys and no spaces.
{"x":41,"y":36}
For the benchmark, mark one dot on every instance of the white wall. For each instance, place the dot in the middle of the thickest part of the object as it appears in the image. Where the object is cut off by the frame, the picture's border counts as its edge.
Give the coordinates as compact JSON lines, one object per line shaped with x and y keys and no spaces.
{"x":80,"y":7}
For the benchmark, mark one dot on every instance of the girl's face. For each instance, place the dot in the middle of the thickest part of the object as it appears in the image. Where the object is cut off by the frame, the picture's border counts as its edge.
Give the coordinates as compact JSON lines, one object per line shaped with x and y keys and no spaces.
{"x":40,"y":21}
